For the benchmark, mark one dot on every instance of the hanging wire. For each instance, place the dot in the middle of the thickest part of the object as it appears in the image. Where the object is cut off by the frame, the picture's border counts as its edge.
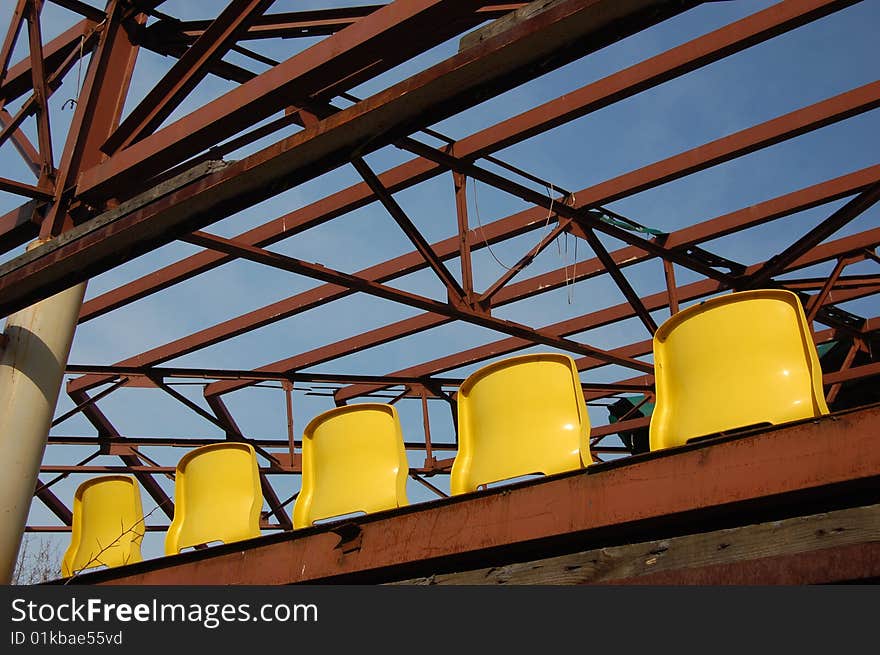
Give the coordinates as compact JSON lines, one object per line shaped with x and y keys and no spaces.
{"x":550,"y":190}
{"x":569,"y":282}
{"x":563,"y":255}
{"x":82,"y":40}
{"x":599,"y":213}
{"x":73,"y":101}
{"x":569,"y":286}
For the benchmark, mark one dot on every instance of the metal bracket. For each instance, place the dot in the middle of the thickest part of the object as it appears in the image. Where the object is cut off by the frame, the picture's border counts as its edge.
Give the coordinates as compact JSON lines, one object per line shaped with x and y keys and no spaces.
{"x":350,"y":537}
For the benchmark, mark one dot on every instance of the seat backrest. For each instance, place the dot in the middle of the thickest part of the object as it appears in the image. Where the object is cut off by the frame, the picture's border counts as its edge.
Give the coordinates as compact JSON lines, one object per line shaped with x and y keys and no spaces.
{"x":217,"y":496}
{"x":519,"y":416}
{"x":108,"y":524}
{"x":353,"y":460}
{"x":742,"y":359}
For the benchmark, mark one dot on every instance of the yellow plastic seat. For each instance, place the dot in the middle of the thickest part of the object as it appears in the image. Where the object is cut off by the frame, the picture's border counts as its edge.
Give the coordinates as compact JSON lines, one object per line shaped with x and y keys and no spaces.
{"x":353,"y":460}
{"x":108,"y":524}
{"x":217,"y":496}
{"x":738,"y":360}
{"x":520,"y":416}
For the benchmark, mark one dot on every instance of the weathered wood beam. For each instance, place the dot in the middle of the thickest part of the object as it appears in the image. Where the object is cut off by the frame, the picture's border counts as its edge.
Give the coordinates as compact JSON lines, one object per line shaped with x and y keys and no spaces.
{"x":743,"y":547}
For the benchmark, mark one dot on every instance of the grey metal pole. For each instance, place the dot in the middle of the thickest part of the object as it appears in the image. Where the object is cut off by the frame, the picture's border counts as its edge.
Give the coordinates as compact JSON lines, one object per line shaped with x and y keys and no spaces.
{"x":31,"y":371}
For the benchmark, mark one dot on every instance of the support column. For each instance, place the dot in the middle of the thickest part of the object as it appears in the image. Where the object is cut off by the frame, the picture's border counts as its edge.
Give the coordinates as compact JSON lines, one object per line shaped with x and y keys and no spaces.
{"x":31,"y":371}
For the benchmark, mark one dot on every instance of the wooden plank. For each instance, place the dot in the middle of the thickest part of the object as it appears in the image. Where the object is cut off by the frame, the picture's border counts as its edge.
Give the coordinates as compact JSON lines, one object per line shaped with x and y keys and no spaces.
{"x":859,"y":563}
{"x":848,"y":527}
{"x":505,"y":23}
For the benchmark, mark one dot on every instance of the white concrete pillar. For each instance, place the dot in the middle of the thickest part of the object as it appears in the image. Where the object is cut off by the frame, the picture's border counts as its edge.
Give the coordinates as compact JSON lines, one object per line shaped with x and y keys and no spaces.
{"x":31,"y":371}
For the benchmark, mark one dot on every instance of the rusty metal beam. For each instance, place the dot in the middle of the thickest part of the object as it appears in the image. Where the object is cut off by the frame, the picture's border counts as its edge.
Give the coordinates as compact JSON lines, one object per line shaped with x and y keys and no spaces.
{"x":20,"y":225}
{"x":19,"y":81}
{"x":679,"y":165}
{"x":644,"y":347}
{"x":644,"y":383}
{"x":194,"y":442}
{"x":702,"y":51}
{"x":727,"y":224}
{"x":160,"y":384}
{"x":222,"y":69}
{"x":81,"y":8}
{"x":674,"y":487}
{"x":186,"y":73}
{"x":107,"y":80}
{"x":769,"y":210}
{"x":421,"y":244}
{"x":11,"y":129}
{"x":320,"y":272}
{"x":485,"y":298}
{"x":816,"y":301}
{"x":464,"y":246}
{"x":56,"y":529}
{"x":364,"y":49}
{"x":356,"y":344}
{"x":97,"y":112}
{"x":850,"y":211}
{"x":753,"y":215}
{"x":794,"y":123}
{"x":41,"y":93}
{"x":296,"y":24}
{"x":20,"y":141}
{"x":839,"y":282}
{"x":24,"y":189}
{"x":96,"y":469}
{"x":287,"y":386}
{"x":54,"y":503}
{"x":319,"y":22}
{"x":595,"y":319}
{"x":849,"y":374}
{"x":671,"y":289}
{"x":12,"y":32}
{"x":38,"y":98}
{"x":90,"y":401}
{"x":588,"y":233}
{"x":233,"y":433}
{"x":580,"y":214}
{"x":165,"y":372}
{"x":823,"y":336}
{"x":108,"y":434}
{"x":447,"y":87}
{"x":597,"y":433}
{"x":370,"y":338}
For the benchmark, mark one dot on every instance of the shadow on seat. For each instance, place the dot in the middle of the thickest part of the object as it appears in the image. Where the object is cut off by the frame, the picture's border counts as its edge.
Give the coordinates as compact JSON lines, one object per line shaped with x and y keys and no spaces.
{"x":520,"y":416}
{"x":217,"y":497}
{"x":353,"y":460}
{"x":738,"y":360}
{"x":108,"y":524}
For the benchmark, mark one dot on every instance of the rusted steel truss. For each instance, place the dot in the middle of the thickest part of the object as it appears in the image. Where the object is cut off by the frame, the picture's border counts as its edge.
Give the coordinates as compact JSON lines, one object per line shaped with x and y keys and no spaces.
{"x":131,"y":180}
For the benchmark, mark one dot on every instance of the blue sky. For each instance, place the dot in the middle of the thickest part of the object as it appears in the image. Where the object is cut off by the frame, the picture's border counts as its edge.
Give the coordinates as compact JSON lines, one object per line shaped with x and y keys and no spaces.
{"x":809,"y":64}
